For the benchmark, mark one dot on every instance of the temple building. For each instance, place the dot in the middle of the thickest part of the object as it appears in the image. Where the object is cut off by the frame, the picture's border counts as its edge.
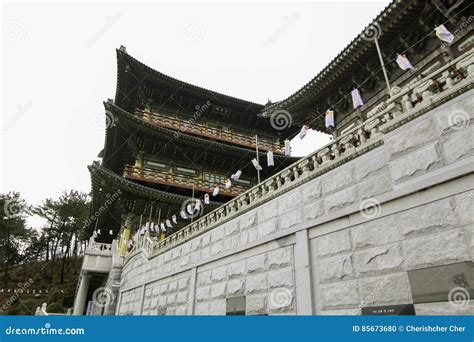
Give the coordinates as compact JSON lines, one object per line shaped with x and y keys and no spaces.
{"x":357,"y":227}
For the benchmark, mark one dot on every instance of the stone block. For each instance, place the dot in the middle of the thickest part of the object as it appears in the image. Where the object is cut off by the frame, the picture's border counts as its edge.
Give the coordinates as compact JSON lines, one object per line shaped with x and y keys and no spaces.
{"x":256,"y":283}
{"x":445,"y":309}
{"x":438,"y":249}
{"x":428,"y":218}
{"x":173,"y":286}
{"x":218,"y":290}
{"x":256,"y":304}
{"x":281,"y":300}
{"x":235,"y":286}
{"x":290,"y":219}
{"x":340,"y":294}
{"x":171,"y":299}
{"x":314,"y":210}
{"x":219,"y":274}
{"x":341,"y":312}
{"x":370,"y":165}
{"x":268,"y":211}
{"x":248,"y":220}
{"x":375,"y":184}
{"x":236,"y":269}
{"x":332,"y":243}
{"x":378,"y":260}
{"x":205,"y":239}
{"x":217,"y":307}
{"x":182,"y":297}
{"x":217,"y":234}
{"x":340,"y":199}
{"x":203,"y":293}
{"x":311,"y":191}
{"x":387,"y":289}
{"x":256,"y":263}
{"x":203,"y":278}
{"x":205,"y":253}
{"x":183,"y":284}
{"x":281,"y":278}
{"x":231,"y":228}
{"x":377,"y":232}
{"x":337,"y":179}
{"x":416,"y":163}
{"x":217,"y":248}
{"x":463,"y":209}
{"x":289,"y":200}
{"x":280,"y":257}
{"x":411,"y":137}
{"x":266,"y":228}
{"x":335,"y":268}
{"x":459,"y":145}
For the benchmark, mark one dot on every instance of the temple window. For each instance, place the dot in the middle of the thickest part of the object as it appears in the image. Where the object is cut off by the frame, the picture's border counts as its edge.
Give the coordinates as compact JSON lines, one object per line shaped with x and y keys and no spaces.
{"x":185,"y":171}
{"x":155,"y":165}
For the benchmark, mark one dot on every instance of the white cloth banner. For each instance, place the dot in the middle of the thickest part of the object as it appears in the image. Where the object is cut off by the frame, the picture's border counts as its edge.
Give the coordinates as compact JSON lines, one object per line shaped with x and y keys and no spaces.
{"x":173,"y":218}
{"x":206,"y":199}
{"x":270,"y":160}
{"x":256,"y":164}
{"x":111,"y":232}
{"x":303,"y":132}
{"x":329,"y":118}
{"x":183,"y":215}
{"x":236,"y":175}
{"x":287,"y":148}
{"x":168,"y":224}
{"x":356,"y":99}
{"x":443,"y":34}
{"x":228,"y":184}
{"x":216,"y":191}
{"x":404,"y":63}
{"x":162,"y":226}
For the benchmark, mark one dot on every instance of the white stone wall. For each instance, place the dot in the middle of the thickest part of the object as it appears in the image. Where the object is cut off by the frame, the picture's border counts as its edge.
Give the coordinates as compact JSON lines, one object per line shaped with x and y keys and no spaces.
{"x":317,"y":244}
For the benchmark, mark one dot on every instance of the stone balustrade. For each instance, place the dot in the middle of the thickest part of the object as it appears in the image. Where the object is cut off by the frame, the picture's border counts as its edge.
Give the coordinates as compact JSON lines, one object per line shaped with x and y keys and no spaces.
{"x":405,"y":104}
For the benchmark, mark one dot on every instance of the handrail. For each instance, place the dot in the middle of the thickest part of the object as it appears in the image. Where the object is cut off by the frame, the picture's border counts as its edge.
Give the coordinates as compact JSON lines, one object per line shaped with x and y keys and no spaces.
{"x":183,"y":181}
{"x":406,"y":104}
{"x":209,"y":132}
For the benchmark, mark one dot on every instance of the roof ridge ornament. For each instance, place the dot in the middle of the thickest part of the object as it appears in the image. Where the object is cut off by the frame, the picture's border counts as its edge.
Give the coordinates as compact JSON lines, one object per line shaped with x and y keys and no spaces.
{"x":123,"y":48}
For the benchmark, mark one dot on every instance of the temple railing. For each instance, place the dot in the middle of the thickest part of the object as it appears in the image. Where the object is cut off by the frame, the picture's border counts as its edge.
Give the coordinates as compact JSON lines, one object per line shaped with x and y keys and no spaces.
{"x":95,"y":247}
{"x":208,"y":132}
{"x":405,"y":104}
{"x":182,"y":181}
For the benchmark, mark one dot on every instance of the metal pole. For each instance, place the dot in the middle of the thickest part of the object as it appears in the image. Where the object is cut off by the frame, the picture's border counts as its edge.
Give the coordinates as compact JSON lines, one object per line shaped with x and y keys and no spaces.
{"x":258,"y":162}
{"x":383,"y":66}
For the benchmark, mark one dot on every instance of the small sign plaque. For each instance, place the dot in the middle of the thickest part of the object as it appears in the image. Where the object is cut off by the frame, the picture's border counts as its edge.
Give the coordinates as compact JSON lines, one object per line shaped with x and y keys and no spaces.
{"x":387,"y":310}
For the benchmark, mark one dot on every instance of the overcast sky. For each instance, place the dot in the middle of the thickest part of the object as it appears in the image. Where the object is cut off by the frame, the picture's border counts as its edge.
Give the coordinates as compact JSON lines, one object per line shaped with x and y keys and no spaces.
{"x":59,"y":64}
